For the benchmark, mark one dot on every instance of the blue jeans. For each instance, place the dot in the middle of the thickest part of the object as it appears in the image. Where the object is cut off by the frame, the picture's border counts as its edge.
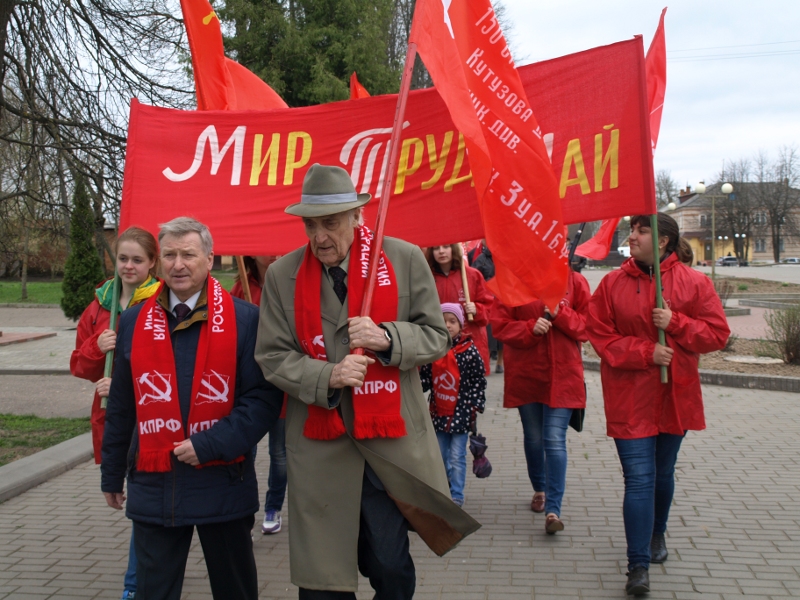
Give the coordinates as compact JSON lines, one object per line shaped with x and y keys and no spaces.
{"x":454,"y":454}
{"x":130,"y":575}
{"x":276,"y":482}
{"x":648,"y":465}
{"x":544,"y":432}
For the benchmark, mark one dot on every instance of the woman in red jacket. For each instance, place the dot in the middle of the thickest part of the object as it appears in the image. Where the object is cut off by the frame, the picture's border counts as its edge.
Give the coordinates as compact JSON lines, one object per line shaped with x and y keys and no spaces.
{"x":137,"y":257}
{"x":445,"y":262}
{"x":646,"y":418}
{"x":544,"y":380}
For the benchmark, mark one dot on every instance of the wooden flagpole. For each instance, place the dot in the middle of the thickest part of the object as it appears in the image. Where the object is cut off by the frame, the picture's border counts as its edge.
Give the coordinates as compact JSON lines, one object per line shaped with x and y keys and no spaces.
{"x":659,"y":298}
{"x":243,"y":278}
{"x":464,"y":282}
{"x":388,"y":183}
{"x":112,"y":325}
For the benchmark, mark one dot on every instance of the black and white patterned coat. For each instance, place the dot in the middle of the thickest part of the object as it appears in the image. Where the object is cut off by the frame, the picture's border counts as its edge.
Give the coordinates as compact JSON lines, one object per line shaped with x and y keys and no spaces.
{"x":471,"y":391}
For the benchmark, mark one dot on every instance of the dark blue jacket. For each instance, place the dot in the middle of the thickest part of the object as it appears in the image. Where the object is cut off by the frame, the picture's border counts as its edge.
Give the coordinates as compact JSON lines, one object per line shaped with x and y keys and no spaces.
{"x":187,"y":495}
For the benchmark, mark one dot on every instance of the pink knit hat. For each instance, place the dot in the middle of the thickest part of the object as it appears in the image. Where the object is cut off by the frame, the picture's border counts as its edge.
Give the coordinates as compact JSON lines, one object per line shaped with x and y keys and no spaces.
{"x":454,"y":308}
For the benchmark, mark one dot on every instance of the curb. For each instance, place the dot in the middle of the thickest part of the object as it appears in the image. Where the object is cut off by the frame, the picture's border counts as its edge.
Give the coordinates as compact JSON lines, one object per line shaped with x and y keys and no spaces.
{"x":23,"y":474}
{"x":35,"y":372}
{"x":736,"y":311}
{"x":28,"y":305}
{"x":775,"y":296}
{"x":773,"y":304}
{"x":773,"y":383}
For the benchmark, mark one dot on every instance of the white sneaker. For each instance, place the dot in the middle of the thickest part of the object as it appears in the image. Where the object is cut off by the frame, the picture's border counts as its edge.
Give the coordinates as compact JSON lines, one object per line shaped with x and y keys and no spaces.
{"x":272,"y":522}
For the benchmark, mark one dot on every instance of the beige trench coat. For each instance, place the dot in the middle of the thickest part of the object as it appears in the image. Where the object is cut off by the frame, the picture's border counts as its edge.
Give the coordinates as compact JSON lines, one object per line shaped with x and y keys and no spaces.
{"x":325,"y":476}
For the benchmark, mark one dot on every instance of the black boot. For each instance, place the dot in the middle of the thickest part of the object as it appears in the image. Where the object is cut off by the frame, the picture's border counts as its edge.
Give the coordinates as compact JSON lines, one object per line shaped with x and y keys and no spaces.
{"x":638,"y":582}
{"x":658,"y":549}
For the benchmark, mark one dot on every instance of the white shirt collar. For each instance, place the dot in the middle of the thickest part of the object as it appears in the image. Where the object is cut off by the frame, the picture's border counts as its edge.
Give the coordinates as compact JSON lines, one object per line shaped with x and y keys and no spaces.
{"x":191,"y":302}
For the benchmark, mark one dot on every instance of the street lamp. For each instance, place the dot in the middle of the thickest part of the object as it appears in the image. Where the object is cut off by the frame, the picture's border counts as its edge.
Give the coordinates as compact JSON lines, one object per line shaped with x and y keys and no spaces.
{"x":726,"y":189}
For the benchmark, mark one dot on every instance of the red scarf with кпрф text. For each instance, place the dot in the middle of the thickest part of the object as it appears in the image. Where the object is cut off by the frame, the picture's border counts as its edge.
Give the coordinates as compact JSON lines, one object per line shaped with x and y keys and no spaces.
{"x":447,"y":379}
{"x":158,"y":411}
{"x":376,"y":403}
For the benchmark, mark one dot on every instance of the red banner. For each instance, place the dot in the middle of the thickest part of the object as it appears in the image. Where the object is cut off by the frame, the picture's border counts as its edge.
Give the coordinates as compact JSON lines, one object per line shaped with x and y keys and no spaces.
{"x":599,"y":246}
{"x":464,"y":49}
{"x":237,"y":170}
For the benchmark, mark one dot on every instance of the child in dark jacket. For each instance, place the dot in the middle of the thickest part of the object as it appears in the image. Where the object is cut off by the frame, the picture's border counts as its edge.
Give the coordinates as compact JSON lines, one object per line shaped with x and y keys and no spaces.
{"x":458,"y":385}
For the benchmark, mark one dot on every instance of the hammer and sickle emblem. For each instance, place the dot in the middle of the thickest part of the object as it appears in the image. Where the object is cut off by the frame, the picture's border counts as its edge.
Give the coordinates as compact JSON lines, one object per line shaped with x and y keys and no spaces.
{"x":208,"y":17}
{"x":156,"y":394}
{"x":446,"y":381}
{"x":214,"y":394}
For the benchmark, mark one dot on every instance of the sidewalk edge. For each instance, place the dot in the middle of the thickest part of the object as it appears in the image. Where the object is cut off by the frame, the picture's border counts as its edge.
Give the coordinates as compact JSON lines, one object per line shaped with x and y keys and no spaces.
{"x":23,"y":474}
{"x":772,"y":383}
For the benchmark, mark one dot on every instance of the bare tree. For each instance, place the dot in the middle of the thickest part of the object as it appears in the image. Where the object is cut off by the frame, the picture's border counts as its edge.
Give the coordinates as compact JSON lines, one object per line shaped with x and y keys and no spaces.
{"x":666,"y":188}
{"x":778,"y":197}
{"x":736,"y":213}
{"x":69,"y":69}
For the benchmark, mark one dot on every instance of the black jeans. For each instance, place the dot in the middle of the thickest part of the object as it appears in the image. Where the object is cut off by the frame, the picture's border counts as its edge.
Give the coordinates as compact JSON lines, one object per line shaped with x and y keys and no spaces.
{"x":383,"y":555}
{"x":161,"y":554}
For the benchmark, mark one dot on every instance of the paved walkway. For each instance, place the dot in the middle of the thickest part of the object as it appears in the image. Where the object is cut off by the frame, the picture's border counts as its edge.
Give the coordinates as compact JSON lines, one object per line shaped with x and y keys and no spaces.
{"x":734,"y":529}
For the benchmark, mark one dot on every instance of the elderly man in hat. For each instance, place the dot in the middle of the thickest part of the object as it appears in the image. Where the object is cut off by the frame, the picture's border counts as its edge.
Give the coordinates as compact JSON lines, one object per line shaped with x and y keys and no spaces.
{"x":363,"y":460}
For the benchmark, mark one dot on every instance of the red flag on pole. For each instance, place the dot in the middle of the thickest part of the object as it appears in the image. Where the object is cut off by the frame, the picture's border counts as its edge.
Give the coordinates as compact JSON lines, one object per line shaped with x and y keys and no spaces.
{"x":221,"y":83}
{"x":655,"y":65}
{"x":356,"y":89}
{"x":464,"y":49}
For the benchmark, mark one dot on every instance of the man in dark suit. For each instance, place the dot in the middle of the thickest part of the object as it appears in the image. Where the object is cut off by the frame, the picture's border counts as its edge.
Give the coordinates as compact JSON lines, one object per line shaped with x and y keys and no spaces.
{"x":187,"y":404}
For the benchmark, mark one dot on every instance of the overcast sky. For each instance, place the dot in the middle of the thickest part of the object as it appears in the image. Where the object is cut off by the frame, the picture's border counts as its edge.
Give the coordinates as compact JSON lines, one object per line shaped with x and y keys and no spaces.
{"x":733,"y":69}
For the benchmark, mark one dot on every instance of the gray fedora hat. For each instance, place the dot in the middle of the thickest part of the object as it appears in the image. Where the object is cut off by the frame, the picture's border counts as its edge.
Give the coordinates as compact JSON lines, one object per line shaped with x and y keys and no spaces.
{"x":327,"y":191}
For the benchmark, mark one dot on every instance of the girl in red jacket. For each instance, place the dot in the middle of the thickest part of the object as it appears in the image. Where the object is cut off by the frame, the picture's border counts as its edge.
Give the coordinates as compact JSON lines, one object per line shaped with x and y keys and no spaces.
{"x":445,"y":263}
{"x":458,"y":392}
{"x":544,"y":380}
{"x":137,"y":256}
{"x":646,"y":418}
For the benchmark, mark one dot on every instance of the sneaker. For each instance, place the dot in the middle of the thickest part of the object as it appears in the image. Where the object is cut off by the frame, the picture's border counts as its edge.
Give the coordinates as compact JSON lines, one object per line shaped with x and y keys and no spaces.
{"x":498,"y":369}
{"x":128,"y":595}
{"x":272,"y":522}
{"x":458,"y":501}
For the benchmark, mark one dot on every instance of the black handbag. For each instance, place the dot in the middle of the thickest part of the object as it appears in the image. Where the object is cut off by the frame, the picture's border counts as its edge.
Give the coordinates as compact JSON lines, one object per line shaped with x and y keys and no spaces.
{"x":576,"y":419}
{"x":578,"y":414}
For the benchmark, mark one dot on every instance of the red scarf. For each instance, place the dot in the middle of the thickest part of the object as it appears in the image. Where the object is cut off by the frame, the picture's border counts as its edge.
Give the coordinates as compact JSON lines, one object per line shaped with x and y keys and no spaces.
{"x":376,"y":403}
{"x":158,"y":411}
{"x":447,"y":379}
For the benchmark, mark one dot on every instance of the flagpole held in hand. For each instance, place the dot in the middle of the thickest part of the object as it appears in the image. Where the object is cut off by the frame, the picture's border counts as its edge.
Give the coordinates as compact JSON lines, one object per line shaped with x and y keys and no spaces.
{"x":388,"y":182}
{"x":112,"y":325}
{"x":659,"y":298}
{"x":464,"y":283}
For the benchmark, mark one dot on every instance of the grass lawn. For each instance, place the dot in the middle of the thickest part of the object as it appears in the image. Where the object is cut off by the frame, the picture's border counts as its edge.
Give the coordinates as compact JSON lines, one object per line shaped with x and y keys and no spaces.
{"x":39,"y":292}
{"x":226,"y":278}
{"x":47,"y":292}
{"x":23,"y":435}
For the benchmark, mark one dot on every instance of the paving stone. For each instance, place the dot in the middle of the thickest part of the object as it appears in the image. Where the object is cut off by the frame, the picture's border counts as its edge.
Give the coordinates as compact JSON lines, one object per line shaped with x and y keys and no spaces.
{"x":734,"y":528}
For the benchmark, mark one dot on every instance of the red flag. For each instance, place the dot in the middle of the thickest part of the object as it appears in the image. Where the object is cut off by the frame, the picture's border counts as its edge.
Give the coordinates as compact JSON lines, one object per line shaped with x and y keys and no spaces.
{"x":220,"y":83}
{"x":655,"y":66}
{"x":463,"y":47}
{"x":598,"y":247}
{"x":356,"y":89}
